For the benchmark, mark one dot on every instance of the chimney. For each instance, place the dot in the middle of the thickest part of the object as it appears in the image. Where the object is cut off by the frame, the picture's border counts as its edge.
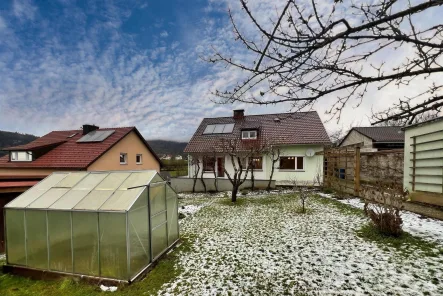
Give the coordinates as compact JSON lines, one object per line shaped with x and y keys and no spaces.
{"x":87,"y":128}
{"x":239,"y":114}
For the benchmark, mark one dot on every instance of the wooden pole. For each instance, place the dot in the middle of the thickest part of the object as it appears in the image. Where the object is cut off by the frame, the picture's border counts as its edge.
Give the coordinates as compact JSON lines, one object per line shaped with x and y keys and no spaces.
{"x":357,"y":172}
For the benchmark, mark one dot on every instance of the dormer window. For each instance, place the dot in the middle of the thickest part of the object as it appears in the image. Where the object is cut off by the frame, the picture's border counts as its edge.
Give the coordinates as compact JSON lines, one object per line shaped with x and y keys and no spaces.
{"x":249,"y":135}
{"x":21,"y":156}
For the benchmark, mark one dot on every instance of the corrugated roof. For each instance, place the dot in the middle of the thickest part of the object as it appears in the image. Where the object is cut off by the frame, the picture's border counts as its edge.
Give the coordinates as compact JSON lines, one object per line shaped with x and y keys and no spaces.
{"x":383,"y":133}
{"x":68,"y":154}
{"x":291,"y":128}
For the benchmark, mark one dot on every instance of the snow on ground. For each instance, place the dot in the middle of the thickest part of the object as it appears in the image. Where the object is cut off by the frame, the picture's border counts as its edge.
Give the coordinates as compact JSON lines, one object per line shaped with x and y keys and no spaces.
{"x":263,"y":246}
{"x":2,"y":256}
{"x":413,"y":223}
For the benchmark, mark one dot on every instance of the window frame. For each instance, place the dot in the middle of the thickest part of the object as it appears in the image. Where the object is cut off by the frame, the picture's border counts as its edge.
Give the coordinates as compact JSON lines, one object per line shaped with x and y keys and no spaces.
{"x":296,"y":169}
{"x":125,"y":157}
{"x":14,"y":156}
{"x":141,"y":159}
{"x":261,"y":157}
{"x":249,"y":134}
{"x":205,"y":159}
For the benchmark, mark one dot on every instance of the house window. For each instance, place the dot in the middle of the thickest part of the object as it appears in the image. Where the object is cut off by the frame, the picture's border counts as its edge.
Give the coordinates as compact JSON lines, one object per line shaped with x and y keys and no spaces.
{"x":123,"y":158}
{"x":257,"y":163}
{"x":138,"y":159}
{"x":208,"y":164}
{"x":13,"y":155}
{"x":21,"y":156}
{"x":292,"y":163}
{"x":248,"y":135}
{"x":29,"y":156}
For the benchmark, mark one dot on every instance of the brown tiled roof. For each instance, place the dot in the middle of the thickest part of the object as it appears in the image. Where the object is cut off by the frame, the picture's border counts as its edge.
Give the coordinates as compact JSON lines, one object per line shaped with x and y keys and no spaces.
{"x":68,"y":153}
{"x":383,"y":133}
{"x":292,"y":128}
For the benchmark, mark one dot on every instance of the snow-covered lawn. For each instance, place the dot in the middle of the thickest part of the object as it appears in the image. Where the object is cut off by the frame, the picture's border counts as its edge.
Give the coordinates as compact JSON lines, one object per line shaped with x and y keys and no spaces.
{"x":264,"y":246}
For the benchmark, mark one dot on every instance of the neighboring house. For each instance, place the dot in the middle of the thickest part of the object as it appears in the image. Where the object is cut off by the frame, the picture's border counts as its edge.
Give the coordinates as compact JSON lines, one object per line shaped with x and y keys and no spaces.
{"x":423,"y":161}
{"x":178,"y":157}
{"x":166,"y":157}
{"x":90,"y":149}
{"x":375,"y":138}
{"x":297,"y":135}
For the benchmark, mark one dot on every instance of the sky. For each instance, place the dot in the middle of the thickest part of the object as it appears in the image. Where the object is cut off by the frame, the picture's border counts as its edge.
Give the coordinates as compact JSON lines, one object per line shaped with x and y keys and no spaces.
{"x":136,"y":63}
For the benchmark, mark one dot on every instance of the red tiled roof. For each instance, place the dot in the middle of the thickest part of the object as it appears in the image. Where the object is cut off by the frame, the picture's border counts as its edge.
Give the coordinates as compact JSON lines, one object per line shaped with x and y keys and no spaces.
{"x":69,"y":154}
{"x":15,"y":184}
{"x":292,"y":128}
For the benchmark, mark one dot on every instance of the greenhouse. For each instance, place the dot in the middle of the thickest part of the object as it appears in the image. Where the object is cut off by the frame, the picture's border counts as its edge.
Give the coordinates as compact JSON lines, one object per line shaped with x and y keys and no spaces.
{"x":109,"y":225}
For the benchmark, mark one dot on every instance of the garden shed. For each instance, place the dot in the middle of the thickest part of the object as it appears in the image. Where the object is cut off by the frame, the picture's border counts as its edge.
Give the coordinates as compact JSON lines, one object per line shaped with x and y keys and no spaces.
{"x":109,"y":225}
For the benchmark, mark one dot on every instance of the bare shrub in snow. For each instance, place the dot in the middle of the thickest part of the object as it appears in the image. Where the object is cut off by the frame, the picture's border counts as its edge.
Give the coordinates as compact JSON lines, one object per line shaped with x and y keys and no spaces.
{"x":303,"y":189}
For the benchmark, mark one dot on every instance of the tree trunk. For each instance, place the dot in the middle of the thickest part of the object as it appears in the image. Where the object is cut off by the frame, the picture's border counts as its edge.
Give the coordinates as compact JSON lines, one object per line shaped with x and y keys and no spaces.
{"x":270,"y":178}
{"x":203,"y":182}
{"x":252,"y":179}
{"x":234,"y":193}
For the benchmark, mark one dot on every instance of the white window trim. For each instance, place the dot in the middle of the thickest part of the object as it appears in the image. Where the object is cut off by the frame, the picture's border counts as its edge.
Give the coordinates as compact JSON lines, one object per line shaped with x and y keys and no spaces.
{"x":141,"y":159}
{"x":249,"y":135}
{"x":126,"y":158}
{"x":14,"y":156}
{"x":295,"y":170}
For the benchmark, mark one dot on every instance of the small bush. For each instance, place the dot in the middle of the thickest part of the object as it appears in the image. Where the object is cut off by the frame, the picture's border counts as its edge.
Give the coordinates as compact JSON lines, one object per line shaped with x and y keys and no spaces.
{"x":387,"y":222}
{"x":244,"y":192}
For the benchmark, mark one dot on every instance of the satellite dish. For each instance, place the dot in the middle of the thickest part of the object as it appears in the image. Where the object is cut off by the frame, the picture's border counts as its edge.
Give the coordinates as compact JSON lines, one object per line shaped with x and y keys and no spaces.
{"x":310,"y":152}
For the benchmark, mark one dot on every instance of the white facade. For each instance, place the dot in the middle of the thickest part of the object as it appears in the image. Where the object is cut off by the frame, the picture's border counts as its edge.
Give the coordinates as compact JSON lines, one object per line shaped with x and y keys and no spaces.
{"x":312,"y":166}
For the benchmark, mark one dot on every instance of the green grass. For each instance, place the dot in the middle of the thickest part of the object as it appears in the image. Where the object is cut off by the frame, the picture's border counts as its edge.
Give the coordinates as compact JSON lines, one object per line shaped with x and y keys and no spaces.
{"x":165,"y":271}
{"x":404,"y":245}
{"x":341,"y":207}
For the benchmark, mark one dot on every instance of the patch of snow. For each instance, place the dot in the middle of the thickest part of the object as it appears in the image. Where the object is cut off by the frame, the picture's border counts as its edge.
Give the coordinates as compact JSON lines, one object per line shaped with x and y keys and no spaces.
{"x":189,"y":210}
{"x":2,"y":256}
{"x":413,"y":223}
{"x":268,"y":248}
{"x":108,"y":289}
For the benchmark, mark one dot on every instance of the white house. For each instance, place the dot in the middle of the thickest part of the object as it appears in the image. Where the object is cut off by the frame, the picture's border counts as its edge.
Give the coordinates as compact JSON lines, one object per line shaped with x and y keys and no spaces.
{"x":375,"y":138}
{"x":178,"y":157}
{"x":298,"y":136}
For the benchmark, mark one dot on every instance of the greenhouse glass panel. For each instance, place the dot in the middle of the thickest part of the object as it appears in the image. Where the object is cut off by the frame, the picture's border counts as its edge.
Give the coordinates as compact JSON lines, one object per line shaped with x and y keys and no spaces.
{"x":59,"y":229}
{"x":36,"y":243}
{"x":113,"y":251}
{"x":112,"y":181}
{"x":69,"y":200}
{"x":137,"y":179}
{"x":15,"y":236}
{"x":140,"y":251}
{"x":158,"y":219}
{"x":85,"y":242}
{"x":48,"y":198}
{"x":171,"y":201}
{"x":90,"y":181}
{"x":142,"y":200}
{"x":159,"y":240}
{"x":122,"y":200}
{"x":157,"y":198}
{"x":94,"y":200}
{"x":70,"y":180}
{"x":23,"y":200}
{"x":50,"y":181}
{"x":157,"y":178}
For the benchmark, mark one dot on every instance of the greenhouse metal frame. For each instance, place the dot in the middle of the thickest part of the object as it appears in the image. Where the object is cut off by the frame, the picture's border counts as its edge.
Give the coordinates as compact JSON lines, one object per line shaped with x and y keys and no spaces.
{"x":107,"y":225}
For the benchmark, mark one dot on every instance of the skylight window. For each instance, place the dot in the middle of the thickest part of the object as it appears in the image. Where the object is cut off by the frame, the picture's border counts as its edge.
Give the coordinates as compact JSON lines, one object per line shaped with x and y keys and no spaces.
{"x":219,"y":129}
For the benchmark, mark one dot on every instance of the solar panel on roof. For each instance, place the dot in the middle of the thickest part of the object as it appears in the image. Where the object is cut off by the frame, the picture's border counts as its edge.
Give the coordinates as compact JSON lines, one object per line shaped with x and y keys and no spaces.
{"x":219,"y":129}
{"x":209,"y":129}
{"x":228,"y":128}
{"x":96,"y":136}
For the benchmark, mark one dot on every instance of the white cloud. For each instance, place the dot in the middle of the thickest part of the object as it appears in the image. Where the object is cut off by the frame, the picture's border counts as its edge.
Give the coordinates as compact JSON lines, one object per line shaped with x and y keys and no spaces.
{"x":107,"y":80}
{"x":164,"y":34}
{"x":24,"y":9}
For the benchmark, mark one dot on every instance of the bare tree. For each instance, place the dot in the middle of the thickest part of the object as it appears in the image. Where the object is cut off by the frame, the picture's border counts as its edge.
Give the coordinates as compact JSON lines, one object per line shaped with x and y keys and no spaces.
{"x":274,"y":153}
{"x":214,"y":171}
{"x":338,"y":48}
{"x":239,"y":164}
{"x":195,"y":163}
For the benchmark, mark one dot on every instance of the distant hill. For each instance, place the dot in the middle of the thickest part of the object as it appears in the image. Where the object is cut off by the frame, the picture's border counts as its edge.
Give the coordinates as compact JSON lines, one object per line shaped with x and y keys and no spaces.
{"x":167,"y":147}
{"x":8,"y":139}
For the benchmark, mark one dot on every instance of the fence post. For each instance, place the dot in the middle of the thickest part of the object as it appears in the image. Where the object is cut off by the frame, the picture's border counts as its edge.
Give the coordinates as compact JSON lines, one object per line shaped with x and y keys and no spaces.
{"x":357,"y":172}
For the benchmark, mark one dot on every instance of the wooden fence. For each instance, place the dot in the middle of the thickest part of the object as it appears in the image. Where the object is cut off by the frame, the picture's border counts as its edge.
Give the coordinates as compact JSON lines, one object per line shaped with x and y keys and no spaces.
{"x":352,"y":171}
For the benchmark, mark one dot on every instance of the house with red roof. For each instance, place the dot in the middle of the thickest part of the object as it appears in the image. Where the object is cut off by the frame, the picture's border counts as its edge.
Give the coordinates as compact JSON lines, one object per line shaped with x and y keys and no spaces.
{"x":296,"y":136}
{"x":88,"y":149}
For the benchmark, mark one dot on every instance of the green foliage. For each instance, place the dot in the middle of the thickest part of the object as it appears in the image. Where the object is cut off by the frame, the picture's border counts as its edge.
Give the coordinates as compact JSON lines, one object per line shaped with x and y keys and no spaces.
{"x":161,"y":147}
{"x":404,"y":244}
{"x":8,"y":139}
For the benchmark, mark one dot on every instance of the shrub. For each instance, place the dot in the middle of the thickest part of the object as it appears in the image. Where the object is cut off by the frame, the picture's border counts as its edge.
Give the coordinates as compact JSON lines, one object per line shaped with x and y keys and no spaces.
{"x":244,"y":192}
